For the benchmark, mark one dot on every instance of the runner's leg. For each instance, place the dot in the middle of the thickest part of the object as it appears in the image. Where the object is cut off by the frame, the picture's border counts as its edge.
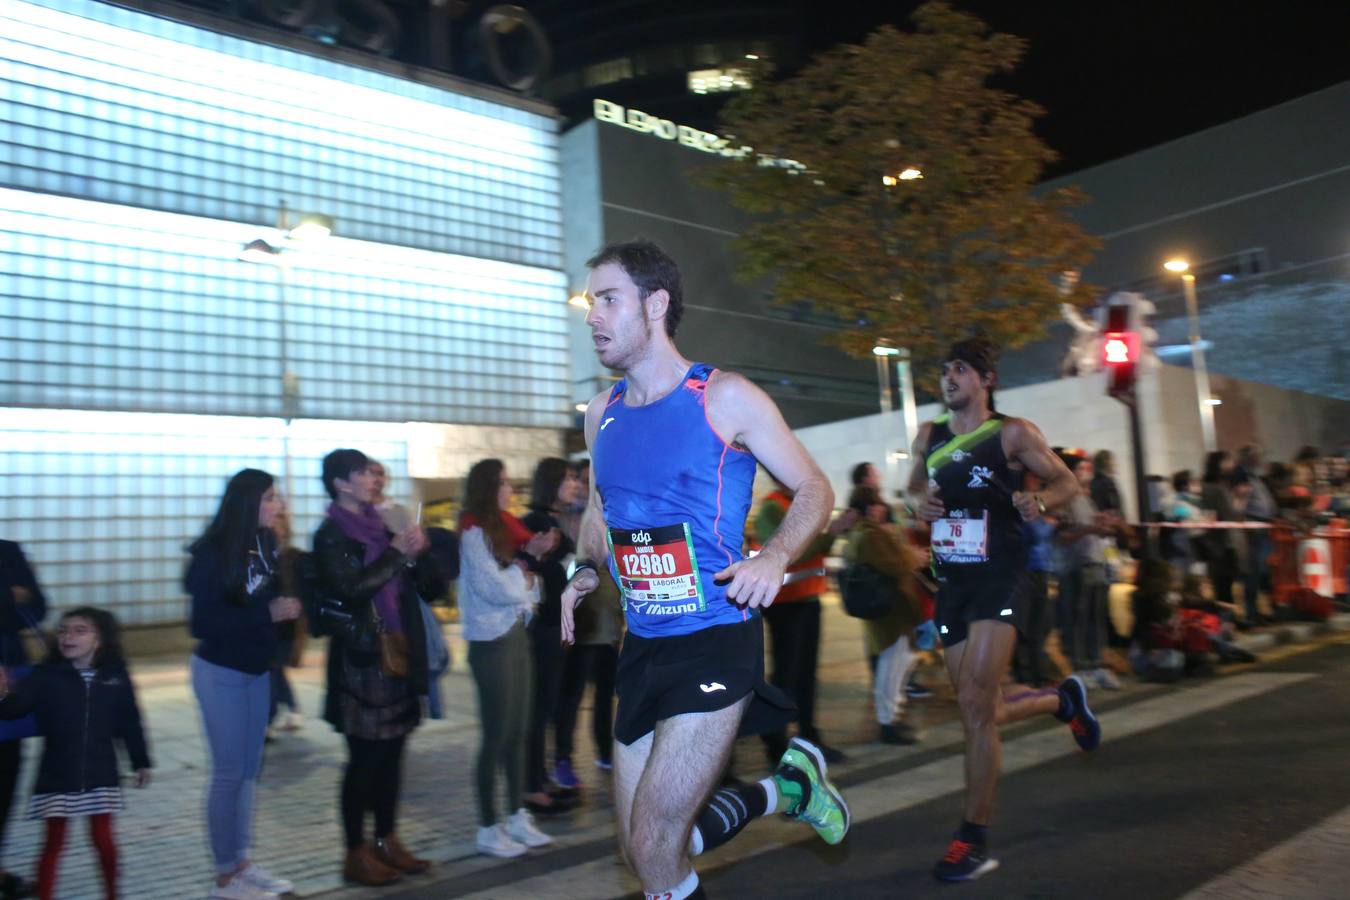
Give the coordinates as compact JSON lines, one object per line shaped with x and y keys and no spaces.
{"x":978,"y":670}
{"x":685,"y":762}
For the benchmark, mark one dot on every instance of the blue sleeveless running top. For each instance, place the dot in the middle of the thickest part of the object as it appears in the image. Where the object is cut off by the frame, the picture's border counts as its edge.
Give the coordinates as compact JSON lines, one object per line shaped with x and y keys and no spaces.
{"x":676,"y":497}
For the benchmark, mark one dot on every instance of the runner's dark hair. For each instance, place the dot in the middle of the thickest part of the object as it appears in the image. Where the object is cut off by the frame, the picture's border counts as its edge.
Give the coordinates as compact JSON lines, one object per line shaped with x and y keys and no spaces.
{"x":651,"y":269}
{"x":979,"y":353}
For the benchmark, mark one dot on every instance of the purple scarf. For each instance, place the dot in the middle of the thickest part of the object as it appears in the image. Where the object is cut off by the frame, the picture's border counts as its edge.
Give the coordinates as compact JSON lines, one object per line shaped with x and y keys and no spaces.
{"x":368,"y":528}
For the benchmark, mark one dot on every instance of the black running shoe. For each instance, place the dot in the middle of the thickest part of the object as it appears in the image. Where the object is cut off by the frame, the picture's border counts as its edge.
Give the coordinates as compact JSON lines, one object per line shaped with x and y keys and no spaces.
{"x":1087,"y":731}
{"x":964,"y":862}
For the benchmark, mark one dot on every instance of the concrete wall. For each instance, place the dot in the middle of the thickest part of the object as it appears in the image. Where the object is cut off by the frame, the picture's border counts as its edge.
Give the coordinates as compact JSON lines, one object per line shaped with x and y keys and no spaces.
{"x":1075,"y":412}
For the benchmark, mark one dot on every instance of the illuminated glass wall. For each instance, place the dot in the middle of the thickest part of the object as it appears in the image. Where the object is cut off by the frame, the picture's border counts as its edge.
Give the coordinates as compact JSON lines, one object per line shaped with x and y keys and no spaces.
{"x":115,"y":105}
{"x":104,"y":503}
{"x":141,"y":361}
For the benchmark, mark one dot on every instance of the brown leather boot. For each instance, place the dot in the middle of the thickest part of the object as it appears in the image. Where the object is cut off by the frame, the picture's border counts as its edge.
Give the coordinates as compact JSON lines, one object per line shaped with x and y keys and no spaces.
{"x":364,"y":867}
{"x":392,"y":853}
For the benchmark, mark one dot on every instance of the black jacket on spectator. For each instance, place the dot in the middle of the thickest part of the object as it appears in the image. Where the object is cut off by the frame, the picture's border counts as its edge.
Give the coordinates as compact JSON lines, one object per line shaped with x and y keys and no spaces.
{"x":15,"y":572}
{"x":340,"y":594}
{"x":552,"y":575}
{"x":80,"y":723}
{"x":1105,"y":493}
{"x":235,"y":629}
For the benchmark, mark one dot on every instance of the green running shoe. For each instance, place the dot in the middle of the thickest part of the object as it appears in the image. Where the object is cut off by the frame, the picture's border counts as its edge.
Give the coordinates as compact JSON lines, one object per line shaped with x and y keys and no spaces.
{"x":822,"y":806}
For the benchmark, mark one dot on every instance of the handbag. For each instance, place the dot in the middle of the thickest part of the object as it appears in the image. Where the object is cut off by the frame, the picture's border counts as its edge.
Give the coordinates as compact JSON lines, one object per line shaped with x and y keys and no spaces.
{"x":393,"y":650}
{"x":868,"y":593}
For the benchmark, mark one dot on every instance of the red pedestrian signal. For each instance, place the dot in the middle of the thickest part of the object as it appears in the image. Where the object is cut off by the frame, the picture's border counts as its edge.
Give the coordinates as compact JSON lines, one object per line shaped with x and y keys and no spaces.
{"x":1120,"y":355}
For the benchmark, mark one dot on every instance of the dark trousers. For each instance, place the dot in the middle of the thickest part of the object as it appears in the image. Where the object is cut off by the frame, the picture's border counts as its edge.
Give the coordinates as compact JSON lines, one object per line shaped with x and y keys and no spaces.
{"x":587,"y":662}
{"x":546,"y":647}
{"x":372,"y":781}
{"x":282,"y":695}
{"x":1029,"y":662}
{"x":10,"y":757}
{"x":794,"y":629}
{"x":1258,"y":548}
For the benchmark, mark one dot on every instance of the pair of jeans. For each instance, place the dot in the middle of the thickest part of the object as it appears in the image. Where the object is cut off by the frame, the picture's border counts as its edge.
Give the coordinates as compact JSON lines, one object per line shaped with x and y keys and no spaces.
{"x":587,"y":662}
{"x":234,"y":707}
{"x":502,"y":673}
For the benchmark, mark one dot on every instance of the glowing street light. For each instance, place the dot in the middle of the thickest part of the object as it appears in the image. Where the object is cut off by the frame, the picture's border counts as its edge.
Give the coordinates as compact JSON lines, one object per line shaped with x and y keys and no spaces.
{"x":911,"y":174}
{"x":883,"y":350}
{"x":579,"y":301}
{"x":1203,"y":398}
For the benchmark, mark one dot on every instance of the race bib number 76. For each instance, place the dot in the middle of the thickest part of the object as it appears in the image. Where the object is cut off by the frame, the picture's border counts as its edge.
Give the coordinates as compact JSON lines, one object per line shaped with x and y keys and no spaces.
{"x":658,"y":574}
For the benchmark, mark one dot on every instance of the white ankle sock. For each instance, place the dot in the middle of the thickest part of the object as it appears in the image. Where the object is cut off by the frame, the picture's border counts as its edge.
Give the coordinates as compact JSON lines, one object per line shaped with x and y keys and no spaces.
{"x":679,"y":891}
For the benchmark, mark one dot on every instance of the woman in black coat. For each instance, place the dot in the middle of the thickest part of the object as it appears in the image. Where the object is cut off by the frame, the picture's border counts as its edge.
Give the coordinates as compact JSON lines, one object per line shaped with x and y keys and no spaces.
{"x":366,"y":599}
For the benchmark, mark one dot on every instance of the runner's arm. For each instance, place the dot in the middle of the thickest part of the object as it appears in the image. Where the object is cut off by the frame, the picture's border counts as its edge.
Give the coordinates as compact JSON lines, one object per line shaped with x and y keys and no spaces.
{"x":1024,"y":443}
{"x":591,"y":543}
{"x":742,"y":414}
{"x":926,"y":502}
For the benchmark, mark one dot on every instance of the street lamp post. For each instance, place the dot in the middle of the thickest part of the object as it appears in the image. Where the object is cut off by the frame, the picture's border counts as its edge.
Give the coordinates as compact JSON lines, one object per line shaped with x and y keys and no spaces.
{"x":1204,"y":401}
{"x":882,"y":353}
{"x":308,"y":228}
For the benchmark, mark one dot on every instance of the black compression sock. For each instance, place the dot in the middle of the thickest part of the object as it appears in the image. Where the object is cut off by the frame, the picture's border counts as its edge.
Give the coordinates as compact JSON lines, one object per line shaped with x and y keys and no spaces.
{"x":973,"y":834}
{"x":728,"y":811}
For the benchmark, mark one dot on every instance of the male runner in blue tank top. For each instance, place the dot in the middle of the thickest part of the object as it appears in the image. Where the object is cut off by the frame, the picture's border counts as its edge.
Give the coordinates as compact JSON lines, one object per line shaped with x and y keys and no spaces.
{"x":673,"y":453}
{"x":969,"y":490}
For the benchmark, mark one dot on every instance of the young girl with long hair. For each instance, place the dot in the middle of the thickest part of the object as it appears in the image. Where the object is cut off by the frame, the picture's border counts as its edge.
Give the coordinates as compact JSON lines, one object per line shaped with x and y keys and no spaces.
{"x":236,"y":603}
{"x":84,"y":701}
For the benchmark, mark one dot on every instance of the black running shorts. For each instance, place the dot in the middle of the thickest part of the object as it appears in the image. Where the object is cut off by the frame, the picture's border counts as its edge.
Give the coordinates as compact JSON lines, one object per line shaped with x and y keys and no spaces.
{"x":703,"y":671}
{"x":1003,"y":595}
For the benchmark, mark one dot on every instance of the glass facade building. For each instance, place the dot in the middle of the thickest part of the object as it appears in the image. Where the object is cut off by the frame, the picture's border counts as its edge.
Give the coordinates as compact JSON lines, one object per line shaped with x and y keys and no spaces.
{"x":142,"y":361}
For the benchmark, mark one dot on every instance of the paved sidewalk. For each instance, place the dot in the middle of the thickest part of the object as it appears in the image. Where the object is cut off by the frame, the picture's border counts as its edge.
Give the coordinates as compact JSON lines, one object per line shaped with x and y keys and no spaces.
{"x":297,"y":835}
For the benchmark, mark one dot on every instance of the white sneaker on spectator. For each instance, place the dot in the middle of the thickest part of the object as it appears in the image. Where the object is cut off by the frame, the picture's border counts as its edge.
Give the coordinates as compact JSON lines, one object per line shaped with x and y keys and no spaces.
{"x":260,"y":878}
{"x":494,"y":841}
{"x":239,"y":889}
{"x":1089,"y":678}
{"x":521,"y":828}
{"x":1106,"y":679}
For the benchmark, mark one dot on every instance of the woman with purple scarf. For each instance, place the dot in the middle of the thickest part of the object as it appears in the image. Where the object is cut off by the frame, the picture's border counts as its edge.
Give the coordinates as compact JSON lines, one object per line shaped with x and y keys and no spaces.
{"x":368,"y":581}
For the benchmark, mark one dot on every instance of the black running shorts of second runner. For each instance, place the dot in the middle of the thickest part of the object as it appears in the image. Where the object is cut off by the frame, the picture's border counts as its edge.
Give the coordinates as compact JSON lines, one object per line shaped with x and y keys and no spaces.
{"x":1001,"y":595}
{"x":703,"y":671}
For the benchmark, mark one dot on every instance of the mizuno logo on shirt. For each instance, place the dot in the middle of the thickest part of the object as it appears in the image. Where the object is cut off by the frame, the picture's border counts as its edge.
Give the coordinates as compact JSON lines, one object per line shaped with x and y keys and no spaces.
{"x":715,"y":686}
{"x":606,"y":422}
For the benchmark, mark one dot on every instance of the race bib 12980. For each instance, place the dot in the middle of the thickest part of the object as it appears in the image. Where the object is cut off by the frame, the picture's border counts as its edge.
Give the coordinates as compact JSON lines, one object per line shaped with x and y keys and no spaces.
{"x":657,"y":571}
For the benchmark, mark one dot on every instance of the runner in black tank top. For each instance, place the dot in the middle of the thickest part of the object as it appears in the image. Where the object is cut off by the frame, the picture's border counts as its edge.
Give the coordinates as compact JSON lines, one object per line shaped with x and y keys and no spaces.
{"x":967,"y":484}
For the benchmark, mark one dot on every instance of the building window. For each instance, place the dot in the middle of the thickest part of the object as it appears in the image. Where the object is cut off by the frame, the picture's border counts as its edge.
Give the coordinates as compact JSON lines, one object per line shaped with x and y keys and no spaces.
{"x":716,"y":81}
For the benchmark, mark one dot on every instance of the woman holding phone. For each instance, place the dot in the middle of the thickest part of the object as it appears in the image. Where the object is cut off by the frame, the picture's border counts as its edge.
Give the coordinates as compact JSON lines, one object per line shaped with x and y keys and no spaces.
{"x":369,"y":581}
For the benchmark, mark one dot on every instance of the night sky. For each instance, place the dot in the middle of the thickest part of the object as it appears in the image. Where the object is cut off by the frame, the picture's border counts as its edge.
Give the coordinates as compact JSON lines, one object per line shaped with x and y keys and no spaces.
{"x":1117,"y":77}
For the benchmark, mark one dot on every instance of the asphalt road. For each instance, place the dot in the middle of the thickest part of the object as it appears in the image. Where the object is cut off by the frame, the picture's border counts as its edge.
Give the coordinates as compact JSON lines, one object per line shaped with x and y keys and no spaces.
{"x":1198,"y":783}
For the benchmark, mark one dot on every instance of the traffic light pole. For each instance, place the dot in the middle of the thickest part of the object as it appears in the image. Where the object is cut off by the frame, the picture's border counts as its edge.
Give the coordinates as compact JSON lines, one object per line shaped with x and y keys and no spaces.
{"x":1131,"y":401}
